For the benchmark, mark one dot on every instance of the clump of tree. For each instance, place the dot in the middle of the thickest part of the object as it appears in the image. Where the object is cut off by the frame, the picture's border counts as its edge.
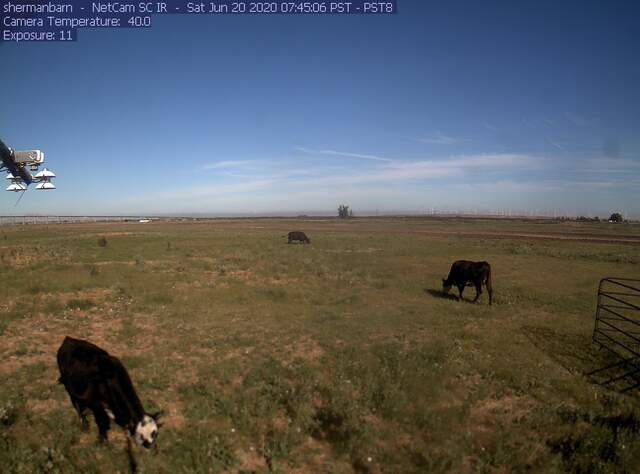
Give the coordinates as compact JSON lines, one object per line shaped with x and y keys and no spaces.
{"x":616,"y":217}
{"x":344,"y":212}
{"x":102,"y":241}
{"x":588,"y":219}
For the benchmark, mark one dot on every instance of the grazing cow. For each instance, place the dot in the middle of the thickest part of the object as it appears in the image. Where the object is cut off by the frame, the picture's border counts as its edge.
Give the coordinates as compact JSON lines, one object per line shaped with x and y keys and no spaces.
{"x":299,"y":236}
{"x":465,"y":273}
{"x":99,"y":382}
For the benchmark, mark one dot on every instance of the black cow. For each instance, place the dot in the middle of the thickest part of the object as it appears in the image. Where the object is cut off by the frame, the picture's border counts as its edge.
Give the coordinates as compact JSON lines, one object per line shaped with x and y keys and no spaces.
{"x":299,"y":236}
{"x":465,"y":273}
{"x":99,"y":382}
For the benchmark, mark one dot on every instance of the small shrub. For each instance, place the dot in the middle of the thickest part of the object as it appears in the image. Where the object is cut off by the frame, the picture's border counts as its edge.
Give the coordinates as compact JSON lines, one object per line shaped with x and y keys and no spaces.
{"x":8,"y":413}
{"x":52,"y":307}
{"x":602,"y":440}
{"x":36,"y":288}
{"x":102,"y":241}
{"x":159,"y":298}
{"x":21,"y":351}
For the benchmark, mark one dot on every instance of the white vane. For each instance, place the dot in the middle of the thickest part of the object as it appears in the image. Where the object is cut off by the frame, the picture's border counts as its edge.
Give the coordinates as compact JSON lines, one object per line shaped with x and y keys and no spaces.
{"x":17,"y":187}
{"x":46,"y":185}
{"x":45,"y":173}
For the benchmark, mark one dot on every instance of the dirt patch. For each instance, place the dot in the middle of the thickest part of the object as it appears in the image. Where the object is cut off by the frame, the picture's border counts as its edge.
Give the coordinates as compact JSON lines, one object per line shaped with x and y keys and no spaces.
{"x":508,"y":409}
{"x":21,"y":258}
{"x":90,"y":294}
{"x":242,"y":275}
{"x":318,"y":456}
{"x":367,"y":250}
{"x":305,"y":348}
{"x":249,"y":460}
{"x":39,"y":336}
{"x":534,"y":236}
{"x":42,"y":407}
{"x":249,"y":278}
{"x":172,"y":412}
{"x":129,"y":263}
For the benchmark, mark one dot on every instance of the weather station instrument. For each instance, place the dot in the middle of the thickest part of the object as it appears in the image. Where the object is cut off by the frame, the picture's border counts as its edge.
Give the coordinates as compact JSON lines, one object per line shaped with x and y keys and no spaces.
{"x":19,"y":166}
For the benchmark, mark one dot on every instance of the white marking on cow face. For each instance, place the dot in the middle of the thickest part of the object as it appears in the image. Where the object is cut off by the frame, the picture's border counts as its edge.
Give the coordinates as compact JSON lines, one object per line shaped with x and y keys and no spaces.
{"x":146,"y":432}
{"x":110,"y":414}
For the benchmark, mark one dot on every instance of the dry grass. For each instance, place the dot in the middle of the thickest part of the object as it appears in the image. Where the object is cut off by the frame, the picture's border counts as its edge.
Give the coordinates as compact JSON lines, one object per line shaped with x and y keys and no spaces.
{"x":340,"y":356}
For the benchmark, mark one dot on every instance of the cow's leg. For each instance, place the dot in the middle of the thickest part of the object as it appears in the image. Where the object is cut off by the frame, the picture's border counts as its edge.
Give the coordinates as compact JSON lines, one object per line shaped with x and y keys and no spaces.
{"x":460,"y":289}
{"x":80,"y":408}
{"x":103,"y":422}
{"x":478,"y":291}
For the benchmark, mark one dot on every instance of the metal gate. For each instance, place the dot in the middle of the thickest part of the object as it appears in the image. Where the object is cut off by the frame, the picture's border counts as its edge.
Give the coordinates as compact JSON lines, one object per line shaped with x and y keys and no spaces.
{"x":617,"y":329}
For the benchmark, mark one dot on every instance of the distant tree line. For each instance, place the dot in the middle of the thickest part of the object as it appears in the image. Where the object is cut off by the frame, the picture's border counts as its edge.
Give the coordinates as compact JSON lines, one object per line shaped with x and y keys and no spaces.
{"x":615,"y":217}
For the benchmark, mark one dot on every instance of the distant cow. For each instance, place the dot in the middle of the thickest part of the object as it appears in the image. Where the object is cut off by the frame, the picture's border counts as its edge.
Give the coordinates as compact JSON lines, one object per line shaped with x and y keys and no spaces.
{"x":299,"y":236}
{"x":465,"y":273}
{"x":99,"y":382}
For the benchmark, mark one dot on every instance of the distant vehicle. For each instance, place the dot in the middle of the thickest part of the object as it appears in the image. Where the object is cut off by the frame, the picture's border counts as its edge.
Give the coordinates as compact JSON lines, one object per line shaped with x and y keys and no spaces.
{"x":18,"y":164}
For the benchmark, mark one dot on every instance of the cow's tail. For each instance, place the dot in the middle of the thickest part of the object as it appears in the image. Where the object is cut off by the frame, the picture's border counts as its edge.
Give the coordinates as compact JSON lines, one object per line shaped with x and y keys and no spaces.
{"x":488,"y":283}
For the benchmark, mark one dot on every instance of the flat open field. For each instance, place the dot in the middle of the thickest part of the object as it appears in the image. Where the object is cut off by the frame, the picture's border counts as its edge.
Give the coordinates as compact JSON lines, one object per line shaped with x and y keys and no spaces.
{"x":339,"y":356}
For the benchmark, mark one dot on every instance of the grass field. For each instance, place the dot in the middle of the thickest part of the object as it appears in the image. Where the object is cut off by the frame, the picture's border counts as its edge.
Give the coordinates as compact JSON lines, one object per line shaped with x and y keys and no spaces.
{"x":339,"y":356}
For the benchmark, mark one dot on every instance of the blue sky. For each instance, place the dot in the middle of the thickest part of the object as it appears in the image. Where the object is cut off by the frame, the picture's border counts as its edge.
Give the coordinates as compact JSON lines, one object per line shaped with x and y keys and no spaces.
{"x":449,"y":105}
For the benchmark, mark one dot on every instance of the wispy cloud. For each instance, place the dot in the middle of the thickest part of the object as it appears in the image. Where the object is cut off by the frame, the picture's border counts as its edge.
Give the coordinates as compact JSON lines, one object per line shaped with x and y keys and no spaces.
{"x":500,"y":179}
{"x":398,"y":172}
{"x":539,"y":122}
{"x":612,"y":165}
{"x":440,"y":139}
{"x":232,"y":164}
{"x":341,"y":153}
{"x":453,"y":166}
{"x":490,"y":126}
{"x":580,"y":120}
{"x":509,"y":186}
{"x":555,"y":144}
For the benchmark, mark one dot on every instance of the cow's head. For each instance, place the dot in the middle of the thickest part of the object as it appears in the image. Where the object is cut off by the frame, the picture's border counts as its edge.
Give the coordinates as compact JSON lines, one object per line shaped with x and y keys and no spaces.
{"x":445,"y":286}
{"x":146,"y":430}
